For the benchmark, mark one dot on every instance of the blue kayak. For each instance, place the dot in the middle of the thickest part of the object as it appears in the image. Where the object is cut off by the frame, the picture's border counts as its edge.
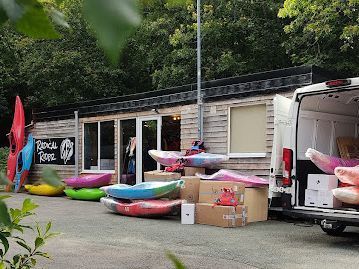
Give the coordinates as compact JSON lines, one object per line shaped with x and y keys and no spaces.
{"x":24,"y":161}
{"x":142,"y":191}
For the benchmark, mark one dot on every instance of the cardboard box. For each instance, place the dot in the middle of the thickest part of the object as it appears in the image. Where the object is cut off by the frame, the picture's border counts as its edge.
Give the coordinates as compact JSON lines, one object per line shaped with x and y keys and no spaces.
{"x":160,"y":175}
{"x":191,"y":171}
{"x":210,"y":190}
{"x":322,"y":182}
{"x":311,"y":198}
{"x":190,"y":190}
{"x":222,"y":216}
{"x":188,"y":213}
{"x":326,"y":199}
{"x":256,"y":201}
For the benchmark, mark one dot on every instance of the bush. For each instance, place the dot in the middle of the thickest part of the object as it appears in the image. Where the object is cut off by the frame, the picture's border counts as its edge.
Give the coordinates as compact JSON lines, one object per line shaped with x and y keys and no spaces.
{"x":4,"y":152}
{"x":12,"y":231}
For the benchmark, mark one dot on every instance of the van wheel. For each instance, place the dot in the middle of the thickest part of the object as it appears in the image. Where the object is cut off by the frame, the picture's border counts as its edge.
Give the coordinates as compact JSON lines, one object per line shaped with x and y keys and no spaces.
{"x":335,"y":230}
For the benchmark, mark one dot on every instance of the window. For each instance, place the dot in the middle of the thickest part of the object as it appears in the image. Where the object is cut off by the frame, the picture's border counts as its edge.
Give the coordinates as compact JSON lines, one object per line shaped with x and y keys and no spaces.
{"x":247,"y":131}
{"x":99,"y":146}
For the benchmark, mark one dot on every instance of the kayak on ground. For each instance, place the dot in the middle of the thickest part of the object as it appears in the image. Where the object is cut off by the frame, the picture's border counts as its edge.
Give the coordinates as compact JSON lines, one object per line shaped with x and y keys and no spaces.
{"x":89,"y":181}
{"x":148,"y":208}
{"x":93,"y":194}
{"x":142,"y":191}
{"x":203,"y":159}
{"x":45,"y":190}
{"x":24,"y":161}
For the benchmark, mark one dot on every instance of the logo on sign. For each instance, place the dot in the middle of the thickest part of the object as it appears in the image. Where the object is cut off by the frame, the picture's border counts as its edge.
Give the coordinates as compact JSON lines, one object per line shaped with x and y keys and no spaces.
{"x":66,"y":150}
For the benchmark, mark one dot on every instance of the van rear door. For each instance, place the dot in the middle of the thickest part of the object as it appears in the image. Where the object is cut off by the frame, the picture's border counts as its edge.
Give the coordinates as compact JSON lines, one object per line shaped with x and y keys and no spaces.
{"x":281,"y":108}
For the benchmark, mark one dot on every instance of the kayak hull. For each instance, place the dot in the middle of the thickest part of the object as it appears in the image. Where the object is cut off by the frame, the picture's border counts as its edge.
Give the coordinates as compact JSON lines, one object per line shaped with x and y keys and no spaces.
{"x":169,"y":158}
{"x":93,"y":194}
{"x":89,"y":181}
{"x":45,"y":190}
{"x":151,"y":208}
{"x":16,"y":139}
{"x":228,"y":175}
{"x":24,"y":162}
{"x":349,"y":195}
{"x":143,"y":191}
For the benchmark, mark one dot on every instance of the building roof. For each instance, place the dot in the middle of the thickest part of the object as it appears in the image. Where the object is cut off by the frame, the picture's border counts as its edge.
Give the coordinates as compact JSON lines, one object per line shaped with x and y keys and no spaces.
{"x":274,"y":81}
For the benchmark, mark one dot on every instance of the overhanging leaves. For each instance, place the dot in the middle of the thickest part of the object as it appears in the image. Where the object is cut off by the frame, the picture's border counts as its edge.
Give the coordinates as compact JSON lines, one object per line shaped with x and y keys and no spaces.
{"x":35,"y":22}
{"x":4,"y":214}
{"x":3,"y":179}
{"x":50,"y":176}
{"x":112,"y":21}
{"x":177,"y":263}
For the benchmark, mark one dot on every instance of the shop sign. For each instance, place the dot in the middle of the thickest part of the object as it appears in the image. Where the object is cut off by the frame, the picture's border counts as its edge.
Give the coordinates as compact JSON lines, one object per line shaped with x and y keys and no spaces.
{"x":60,"y":151}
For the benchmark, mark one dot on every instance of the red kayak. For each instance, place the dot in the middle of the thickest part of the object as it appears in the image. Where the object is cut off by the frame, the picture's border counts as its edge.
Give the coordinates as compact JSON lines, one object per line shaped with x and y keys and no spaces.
{"x":16,"y":138}
{"x":148,"y":208}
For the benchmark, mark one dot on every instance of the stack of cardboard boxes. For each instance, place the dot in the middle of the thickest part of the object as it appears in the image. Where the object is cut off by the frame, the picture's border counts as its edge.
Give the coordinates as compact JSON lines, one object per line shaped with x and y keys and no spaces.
{"x":201,"y":195}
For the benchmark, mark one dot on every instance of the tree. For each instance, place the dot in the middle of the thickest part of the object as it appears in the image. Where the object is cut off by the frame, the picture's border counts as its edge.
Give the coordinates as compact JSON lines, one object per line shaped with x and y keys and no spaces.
{"x":324,"y":33}
{"x":238,"y":37}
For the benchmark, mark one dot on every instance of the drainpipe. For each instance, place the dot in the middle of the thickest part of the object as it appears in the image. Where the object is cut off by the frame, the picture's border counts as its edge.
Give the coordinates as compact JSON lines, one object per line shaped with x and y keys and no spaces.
{"x":76,"y":143}
{"x":199,"y":93}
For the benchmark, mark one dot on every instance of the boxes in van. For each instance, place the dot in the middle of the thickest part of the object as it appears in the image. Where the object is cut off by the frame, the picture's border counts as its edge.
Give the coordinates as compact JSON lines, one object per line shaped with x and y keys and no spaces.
{"x":322,"y":182}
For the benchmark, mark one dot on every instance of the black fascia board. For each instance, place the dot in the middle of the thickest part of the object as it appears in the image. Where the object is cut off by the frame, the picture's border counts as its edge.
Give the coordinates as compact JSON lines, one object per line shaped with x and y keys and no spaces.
{"x":252,"y":84}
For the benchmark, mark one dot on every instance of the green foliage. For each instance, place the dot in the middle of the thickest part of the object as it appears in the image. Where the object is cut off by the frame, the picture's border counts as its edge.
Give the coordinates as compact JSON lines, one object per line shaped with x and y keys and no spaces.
{"x":325,"y":33}
{"x":11,"y":232}
{"x":4,"y":152}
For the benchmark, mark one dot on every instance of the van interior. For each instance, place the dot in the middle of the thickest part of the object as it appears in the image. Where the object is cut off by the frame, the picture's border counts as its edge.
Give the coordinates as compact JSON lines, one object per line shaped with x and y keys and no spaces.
{"x":322,"y":119}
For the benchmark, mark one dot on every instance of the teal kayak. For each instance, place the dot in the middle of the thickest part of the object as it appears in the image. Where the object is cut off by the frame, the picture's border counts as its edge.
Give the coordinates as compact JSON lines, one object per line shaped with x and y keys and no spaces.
{"x":94,"y":194}
{"x":143,"y":191}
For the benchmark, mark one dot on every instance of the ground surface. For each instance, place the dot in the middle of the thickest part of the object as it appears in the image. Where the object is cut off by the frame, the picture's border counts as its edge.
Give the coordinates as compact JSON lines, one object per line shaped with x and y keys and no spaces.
{"x":93,"y":237}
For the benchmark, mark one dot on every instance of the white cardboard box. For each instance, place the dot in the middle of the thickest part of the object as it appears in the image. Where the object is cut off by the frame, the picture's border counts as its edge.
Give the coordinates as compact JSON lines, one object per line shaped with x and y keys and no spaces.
{"x":327,"y":200}
{"x":322,"y":182}
{"x":187,"y":213}
{"x":311,"y":198}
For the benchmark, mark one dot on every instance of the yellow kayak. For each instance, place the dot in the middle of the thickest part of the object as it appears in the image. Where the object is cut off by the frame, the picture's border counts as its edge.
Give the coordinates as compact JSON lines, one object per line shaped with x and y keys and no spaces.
{"x":45,"y":190}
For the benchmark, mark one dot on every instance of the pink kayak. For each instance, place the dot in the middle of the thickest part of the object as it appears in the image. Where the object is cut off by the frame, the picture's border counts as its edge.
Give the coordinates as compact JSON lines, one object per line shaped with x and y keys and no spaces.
{"x":228,"y":175}
{"x":89,"y":181}
{"x":348,"y":175}
{"x":328,"y":163}
{"x":168,"y":158}
{"x":349,"y":195}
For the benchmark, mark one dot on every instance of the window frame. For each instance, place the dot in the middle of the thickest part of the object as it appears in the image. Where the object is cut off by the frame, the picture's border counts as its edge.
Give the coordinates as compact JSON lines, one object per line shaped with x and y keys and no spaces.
{"x":97,"y":171}
{"x":243,"y":154}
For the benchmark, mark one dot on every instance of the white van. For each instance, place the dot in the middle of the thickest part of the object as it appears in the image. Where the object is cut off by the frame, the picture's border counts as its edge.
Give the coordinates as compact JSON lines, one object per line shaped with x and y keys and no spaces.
{"x":314,"y":118}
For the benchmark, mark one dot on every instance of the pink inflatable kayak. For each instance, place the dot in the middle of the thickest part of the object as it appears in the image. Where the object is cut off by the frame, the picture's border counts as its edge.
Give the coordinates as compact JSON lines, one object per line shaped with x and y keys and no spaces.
{"x":349,"y":175}
{"x":349,"y":195}
{"x":228,"y":175}
{"x":328,"y":163}
{"x":89,"y":181}
{"x":168,"y":158}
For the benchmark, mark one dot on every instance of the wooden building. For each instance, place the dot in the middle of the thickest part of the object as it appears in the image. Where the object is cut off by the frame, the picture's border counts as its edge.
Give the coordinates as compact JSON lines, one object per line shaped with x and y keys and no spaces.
{"x":238,"y":122}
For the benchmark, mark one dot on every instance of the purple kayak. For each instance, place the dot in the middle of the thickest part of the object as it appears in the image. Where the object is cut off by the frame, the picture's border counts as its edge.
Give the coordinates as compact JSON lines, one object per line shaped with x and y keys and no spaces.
{"x":228,"y":175}
{"x":89,"y":181}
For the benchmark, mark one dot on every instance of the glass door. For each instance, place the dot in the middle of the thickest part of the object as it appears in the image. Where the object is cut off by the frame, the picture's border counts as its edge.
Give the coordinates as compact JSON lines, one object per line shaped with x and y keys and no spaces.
{"x":127,"y":151}
{"x":149,"y":130}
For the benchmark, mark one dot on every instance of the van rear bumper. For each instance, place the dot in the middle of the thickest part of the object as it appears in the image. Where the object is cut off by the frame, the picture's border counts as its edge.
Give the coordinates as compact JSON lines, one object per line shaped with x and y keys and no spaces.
{"x":345,"y":218}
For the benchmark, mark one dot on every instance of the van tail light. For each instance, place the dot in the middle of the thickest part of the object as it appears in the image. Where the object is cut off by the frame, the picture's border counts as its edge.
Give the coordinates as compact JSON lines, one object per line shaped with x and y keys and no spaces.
{"x":287,"y":167}
{"x":337,"y":83}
